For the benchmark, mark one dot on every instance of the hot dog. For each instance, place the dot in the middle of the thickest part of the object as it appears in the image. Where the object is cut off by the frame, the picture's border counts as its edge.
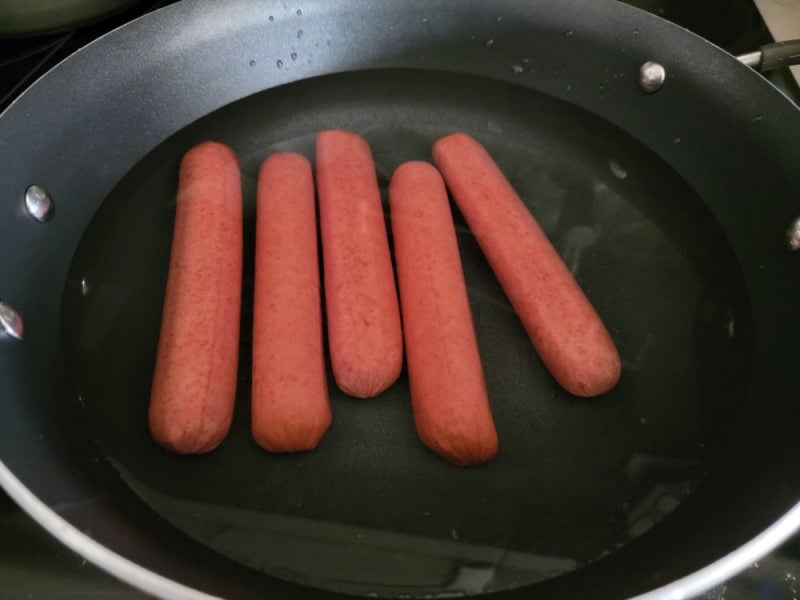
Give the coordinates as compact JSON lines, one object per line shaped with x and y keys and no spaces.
{"x":364,"y":333}
{"x":559,"y":319}
{"x":448,"y":389}
{"x":290,"y":409}
{"x":194,"y":383}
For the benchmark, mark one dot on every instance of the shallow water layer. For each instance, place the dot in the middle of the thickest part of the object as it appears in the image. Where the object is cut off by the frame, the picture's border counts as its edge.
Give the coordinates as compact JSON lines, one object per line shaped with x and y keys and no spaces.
{"x":372,"y":511}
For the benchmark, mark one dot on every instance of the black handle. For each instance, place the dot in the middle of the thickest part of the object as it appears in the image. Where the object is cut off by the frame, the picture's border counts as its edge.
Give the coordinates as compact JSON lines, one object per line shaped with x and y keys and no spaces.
{"x":780,"y":54}
{"x":774,"y":56}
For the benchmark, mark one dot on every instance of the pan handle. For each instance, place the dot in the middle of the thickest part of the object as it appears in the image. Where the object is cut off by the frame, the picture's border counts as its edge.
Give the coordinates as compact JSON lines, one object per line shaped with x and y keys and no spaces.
{"x":773,"y":56}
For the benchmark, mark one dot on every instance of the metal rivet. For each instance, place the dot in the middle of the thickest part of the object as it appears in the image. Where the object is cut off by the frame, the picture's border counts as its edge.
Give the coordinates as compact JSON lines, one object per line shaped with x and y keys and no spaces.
{"x":793,"y":235}
{"x":651,"y":77}
{"x":38,"y":203}
{"x":10,"y":321}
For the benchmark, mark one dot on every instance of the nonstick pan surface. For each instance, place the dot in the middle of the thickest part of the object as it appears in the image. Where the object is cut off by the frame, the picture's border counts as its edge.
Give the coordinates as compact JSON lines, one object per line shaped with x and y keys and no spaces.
{"x":575,"y":479}
{"x":581,"y":489}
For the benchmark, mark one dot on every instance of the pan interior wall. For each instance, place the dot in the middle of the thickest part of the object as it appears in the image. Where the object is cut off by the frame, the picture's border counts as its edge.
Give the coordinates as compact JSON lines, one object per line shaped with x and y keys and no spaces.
{"x":372,"y":511}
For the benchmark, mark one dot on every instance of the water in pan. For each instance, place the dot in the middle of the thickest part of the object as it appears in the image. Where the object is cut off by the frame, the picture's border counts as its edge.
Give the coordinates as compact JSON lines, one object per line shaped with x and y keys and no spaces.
{"x":372,"y":511}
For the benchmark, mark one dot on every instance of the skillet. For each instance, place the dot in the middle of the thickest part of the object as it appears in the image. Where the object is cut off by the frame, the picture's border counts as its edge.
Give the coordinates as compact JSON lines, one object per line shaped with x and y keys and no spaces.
{"x":671,"y":207}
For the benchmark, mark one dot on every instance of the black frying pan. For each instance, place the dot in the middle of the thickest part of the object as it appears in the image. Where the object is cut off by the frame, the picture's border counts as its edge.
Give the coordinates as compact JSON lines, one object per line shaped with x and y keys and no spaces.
{"x":671,"y":207}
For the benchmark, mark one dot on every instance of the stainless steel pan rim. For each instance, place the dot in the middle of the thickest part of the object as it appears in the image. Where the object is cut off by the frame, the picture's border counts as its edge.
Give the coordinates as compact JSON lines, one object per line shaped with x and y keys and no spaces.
{"x":152,"y":583}
{"x":728,"y":566}
{"x":118,"y":566}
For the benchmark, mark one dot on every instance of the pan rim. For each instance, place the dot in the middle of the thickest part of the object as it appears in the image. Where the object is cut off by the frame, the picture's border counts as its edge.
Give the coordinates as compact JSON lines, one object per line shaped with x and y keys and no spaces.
{"x":151,"y":582}
{"x":735,"y":562}
{"x":101,"y":556}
